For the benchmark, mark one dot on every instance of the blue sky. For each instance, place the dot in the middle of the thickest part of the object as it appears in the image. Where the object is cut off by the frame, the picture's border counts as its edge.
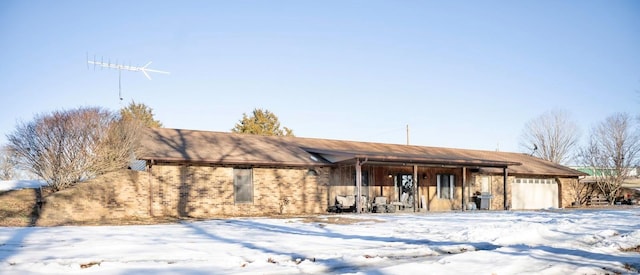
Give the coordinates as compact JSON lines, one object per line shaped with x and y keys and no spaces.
{"x":463,"y":74}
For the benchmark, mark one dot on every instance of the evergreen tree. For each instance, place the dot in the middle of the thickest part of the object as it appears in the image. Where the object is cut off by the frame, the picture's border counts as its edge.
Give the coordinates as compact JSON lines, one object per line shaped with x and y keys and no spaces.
{"x":140,"y":112}
{"x":261,"y":122}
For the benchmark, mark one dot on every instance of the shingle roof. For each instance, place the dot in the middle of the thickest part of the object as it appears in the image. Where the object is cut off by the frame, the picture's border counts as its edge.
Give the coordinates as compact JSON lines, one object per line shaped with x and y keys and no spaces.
{"x":178,"y":145}
{"x":164,"y":144}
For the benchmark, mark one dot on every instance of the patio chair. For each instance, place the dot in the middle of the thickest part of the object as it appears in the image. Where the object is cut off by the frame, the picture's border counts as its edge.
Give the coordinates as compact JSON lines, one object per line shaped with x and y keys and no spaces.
{"x":347,"y":203}
{"x":380,"y":205}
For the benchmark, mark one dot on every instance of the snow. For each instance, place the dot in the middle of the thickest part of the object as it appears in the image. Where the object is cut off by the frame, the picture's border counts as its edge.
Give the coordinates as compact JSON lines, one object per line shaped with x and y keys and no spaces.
{"x":19,"y":184}
{"x":474,"y":242}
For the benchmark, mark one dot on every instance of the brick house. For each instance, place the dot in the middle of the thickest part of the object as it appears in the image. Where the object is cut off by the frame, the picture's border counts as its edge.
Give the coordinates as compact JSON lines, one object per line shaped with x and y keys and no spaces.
{"x":207,"y":174}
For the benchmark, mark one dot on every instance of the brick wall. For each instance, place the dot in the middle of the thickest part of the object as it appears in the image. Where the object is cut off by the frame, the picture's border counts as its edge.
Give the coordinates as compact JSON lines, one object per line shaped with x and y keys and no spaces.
{"x":208,"y":191}
{"x":204,"y":191}
{"x":187,"y":191}
{"x":571,"y":190}
{"x":114,"y":196}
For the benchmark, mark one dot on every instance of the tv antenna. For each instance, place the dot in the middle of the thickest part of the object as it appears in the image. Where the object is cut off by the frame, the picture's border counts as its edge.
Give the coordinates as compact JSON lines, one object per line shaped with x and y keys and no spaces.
{"x":535,"y":147}
{"x":120,"y":67}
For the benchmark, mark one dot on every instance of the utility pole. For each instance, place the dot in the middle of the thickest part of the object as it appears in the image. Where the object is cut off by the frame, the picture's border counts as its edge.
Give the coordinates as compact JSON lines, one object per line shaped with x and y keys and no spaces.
{"x":407,"y":134}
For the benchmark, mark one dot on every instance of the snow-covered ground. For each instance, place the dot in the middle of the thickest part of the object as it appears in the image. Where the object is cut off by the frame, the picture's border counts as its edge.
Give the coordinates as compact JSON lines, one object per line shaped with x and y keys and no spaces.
{"x":499,"y":242}
{"x":19,"y":184}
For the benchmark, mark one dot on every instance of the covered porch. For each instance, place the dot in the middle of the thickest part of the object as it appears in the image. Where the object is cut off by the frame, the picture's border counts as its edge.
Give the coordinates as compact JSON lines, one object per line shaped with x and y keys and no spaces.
{"x":406,"y":182}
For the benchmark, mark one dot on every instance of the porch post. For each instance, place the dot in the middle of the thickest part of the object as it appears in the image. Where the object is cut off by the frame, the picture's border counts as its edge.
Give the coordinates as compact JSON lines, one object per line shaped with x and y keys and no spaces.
{"x":464,"y":182}
{"x":415,"y":188}
{"x":504,"y":182}
{"x":395,"y":188}
{"x":427,"y":201}
{"x":358,"y":184}
{"x":150,"y":165}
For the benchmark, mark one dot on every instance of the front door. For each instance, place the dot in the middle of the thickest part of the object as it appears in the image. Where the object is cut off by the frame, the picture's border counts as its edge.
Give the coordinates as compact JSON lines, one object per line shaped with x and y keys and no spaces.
{"x":405,"y":189}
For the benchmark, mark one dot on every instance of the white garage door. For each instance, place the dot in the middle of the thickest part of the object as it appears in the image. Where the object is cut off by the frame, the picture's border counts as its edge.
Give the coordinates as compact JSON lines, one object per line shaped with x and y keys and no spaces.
{"x":534,"y":193}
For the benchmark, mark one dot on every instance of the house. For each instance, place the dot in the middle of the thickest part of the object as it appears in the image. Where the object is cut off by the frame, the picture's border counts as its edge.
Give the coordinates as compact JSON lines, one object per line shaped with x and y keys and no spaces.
{"x":207,"y":174}
{"x":628,"y":193}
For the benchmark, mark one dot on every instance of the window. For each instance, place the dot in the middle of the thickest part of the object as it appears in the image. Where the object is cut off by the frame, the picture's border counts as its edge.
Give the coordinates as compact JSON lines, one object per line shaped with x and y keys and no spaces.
{"x":535,"y":180}
{"x":364,"y":178}
{"x":445,"y":186}
{"x":243,"y":185}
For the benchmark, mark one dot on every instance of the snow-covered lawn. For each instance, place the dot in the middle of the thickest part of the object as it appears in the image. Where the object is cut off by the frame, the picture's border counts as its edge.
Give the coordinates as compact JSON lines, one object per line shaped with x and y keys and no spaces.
{"x":509,"y":242}
{"x":19,"y":184}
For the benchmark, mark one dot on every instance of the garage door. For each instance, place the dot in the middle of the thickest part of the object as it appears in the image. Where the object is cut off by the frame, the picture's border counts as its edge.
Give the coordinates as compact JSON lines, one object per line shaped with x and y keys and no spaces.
{"x":534,"y":193}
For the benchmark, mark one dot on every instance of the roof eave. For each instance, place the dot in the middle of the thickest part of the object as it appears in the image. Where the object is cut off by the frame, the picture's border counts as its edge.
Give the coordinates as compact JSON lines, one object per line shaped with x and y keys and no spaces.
{"x":233,"y":162}
{"x":412,"y":159}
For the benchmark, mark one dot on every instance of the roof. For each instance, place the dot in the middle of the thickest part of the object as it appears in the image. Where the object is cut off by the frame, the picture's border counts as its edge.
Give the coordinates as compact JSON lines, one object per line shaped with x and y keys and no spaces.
{"x":176,"y":145}
{"x":179,"y":145}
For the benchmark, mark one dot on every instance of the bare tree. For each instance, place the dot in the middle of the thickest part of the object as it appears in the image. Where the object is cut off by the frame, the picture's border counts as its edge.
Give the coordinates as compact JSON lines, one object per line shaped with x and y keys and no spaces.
{"x":66,"y":147}
{"x":552,"y":136}
{"x":119,"y":146}
{"x":612,"y":152}
{"x":580,"y":191}
{"x":7,"y":163}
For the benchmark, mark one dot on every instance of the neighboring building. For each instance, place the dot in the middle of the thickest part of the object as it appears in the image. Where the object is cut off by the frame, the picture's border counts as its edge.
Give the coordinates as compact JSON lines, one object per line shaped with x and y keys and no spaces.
{"x":627,"y":194}
{"x":208,"y":174}
{"x":632,"y":172}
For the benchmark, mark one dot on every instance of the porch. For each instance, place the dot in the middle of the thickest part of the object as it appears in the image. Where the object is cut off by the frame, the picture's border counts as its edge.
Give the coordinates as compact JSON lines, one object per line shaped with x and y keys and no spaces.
{"x":408,"y":182}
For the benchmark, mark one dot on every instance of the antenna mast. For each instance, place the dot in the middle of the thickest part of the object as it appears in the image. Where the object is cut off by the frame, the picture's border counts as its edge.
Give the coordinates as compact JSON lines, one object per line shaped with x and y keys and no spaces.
{"x":120,"y":67}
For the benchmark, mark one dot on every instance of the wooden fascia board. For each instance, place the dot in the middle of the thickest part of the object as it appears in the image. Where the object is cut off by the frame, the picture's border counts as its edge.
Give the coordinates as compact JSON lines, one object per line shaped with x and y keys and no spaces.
{"x":555,"y":175}
{"x":345,"y":156}
{"x":437,"y":162}
{"x":217,"y":162}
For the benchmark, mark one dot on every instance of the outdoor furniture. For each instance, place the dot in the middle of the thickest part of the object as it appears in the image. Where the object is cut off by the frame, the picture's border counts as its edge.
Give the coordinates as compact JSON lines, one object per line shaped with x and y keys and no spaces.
{"x":347,"y":203}
{"x":380,"y":205}
{"x":597,"y":201}
{"x":404,"y":202}
{"x":483,"y":200}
